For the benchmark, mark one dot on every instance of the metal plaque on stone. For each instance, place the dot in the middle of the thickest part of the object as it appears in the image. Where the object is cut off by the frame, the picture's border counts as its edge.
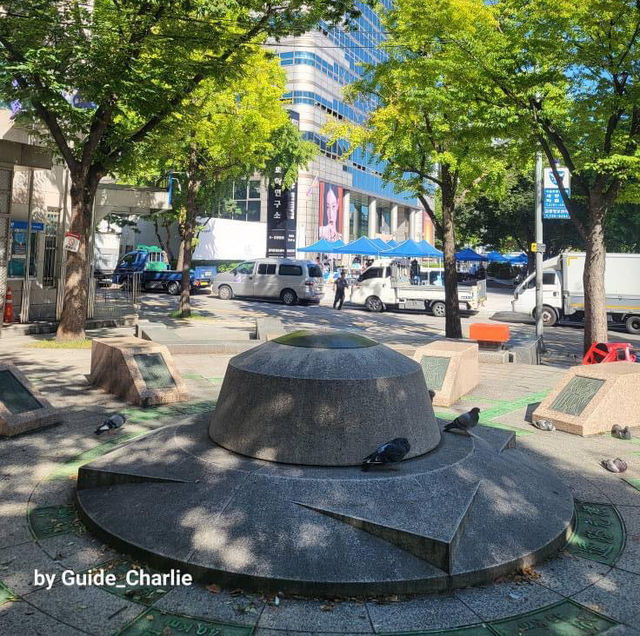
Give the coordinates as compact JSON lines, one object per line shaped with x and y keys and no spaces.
{"x":575,"y":397}
{"x":15,"y":396}
{"x":434,"y":369}
{"x":154,"y":371}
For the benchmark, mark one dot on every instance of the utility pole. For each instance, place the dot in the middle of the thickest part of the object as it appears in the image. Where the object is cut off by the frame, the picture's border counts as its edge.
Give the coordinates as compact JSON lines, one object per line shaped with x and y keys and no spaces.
{"x":539,"y":254}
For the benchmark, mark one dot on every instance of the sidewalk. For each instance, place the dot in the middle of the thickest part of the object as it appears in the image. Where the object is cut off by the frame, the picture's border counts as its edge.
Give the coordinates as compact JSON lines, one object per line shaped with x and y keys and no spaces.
{"x":592,"y":587}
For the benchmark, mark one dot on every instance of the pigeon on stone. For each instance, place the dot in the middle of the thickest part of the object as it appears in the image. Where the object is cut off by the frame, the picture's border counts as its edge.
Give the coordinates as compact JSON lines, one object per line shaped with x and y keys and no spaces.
{"x":465,"y":422}
{"x":616,"y":465}
{"x":620,"y":433}
{"x":111,"y":423}
{"x":432,"y":394}
{"x":544,"y":425}
{"x":388,"y":453}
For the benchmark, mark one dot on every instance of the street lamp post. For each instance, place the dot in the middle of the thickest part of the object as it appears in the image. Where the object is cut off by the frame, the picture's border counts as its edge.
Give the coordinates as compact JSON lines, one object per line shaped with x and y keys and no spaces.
{"x":539,"y":254}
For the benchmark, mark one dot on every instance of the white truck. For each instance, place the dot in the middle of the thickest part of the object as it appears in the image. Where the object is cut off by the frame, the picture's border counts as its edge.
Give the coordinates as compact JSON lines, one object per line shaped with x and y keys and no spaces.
{"x":563,"y":292}
{"x":388,"y":285}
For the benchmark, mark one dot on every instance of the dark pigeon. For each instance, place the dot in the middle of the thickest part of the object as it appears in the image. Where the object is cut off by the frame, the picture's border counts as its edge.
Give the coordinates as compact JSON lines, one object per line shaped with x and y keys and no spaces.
{"x":616,"y":465}
{"x":465,"y":422}
{"x":388,"y":453}
{"x":432,"y":394}
{"x":621,"y":433}
{"x":111,"y":423}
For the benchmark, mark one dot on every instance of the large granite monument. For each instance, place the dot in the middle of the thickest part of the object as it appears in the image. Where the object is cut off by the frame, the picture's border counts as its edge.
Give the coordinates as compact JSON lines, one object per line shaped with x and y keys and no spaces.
{"x":268,"y":494}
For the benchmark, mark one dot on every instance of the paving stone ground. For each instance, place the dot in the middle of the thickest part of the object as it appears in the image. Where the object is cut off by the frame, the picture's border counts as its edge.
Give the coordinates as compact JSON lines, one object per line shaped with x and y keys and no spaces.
{"x":577,"y":592}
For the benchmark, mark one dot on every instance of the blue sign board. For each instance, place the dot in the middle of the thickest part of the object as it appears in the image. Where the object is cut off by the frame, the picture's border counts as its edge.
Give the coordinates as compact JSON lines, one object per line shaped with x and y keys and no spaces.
{"x":23,"y":225}
{"x":553,"y":204}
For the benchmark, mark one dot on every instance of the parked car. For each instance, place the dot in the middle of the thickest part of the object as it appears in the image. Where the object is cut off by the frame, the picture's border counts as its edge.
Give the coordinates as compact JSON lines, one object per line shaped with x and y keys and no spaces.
{"x":290,"y":280}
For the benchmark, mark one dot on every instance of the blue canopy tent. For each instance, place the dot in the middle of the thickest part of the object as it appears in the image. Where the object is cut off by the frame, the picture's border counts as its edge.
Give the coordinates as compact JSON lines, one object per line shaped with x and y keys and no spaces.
{"x":433,"y":252}
{"x":363,"y":245}
{"x":410,"y":249}
{"x":335,"y":244}
{"x":321,"y":246}
{"x":469,"y":255}
{"x":380,"y":243}
{"x":496,"y":257}
{"x":521,"y":259}
{"x":392,"y":243}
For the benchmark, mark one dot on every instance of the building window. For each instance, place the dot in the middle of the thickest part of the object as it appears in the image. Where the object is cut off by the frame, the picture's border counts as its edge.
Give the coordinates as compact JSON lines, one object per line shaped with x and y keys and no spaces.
{"x":239,"y":201}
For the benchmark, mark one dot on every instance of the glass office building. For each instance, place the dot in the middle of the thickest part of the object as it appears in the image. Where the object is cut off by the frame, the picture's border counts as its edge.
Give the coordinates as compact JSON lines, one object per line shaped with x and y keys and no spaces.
{"x":342,"y":198}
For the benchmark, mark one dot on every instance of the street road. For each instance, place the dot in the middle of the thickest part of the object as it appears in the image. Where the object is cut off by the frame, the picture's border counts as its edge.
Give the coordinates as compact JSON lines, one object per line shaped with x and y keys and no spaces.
{"x":563,"y":342}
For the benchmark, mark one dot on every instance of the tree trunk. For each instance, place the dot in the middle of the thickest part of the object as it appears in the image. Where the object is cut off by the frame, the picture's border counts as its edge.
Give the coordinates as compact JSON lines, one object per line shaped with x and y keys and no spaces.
{"x":180,"y":261}
{"x":595,"y":312}
{"x":76,"y":282}
{"x":189,"y":232}
{"x":453,"y":327}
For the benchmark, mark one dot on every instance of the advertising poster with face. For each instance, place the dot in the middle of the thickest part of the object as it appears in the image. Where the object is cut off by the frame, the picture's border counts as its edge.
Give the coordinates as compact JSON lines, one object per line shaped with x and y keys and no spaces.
{"x":330,"y":213}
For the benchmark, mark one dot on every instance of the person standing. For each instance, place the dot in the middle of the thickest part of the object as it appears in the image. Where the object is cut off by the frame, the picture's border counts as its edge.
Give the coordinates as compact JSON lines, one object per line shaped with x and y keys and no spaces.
{"x":341,"y":285}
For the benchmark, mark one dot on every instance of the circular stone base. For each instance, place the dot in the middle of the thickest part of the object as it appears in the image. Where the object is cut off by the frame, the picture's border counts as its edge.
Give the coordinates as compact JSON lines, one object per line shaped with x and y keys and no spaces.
{"x":322,"y":399}
{"x":473,"y":509}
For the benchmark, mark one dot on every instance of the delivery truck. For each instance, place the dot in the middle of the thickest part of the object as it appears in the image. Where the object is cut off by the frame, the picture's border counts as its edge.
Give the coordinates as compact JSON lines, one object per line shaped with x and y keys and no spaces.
{"x":149,"y":262}
{"x":388,"y":284}
{"x":563,"y":290}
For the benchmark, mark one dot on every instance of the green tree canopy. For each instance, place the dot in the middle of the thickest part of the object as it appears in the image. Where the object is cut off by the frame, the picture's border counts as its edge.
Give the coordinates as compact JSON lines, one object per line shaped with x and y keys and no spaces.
{"x":562,"y":76}
{"x":224,"y":130}
{"x":95,"y":78}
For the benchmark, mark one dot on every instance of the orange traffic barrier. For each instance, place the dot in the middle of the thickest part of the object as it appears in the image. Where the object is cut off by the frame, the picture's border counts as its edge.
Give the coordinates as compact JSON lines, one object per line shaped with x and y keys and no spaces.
{"x":483,"y":332}
{"x":8,"y":306}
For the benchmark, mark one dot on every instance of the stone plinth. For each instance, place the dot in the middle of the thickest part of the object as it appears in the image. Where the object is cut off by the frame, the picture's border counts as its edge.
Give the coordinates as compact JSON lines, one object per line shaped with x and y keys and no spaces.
{"x":22,"y":406}
{"x":473,"y":509}
{"x":139,"y":371}
{"x":450,"y":368}
{"x":328,"y":399}
{"x":589,"y":399}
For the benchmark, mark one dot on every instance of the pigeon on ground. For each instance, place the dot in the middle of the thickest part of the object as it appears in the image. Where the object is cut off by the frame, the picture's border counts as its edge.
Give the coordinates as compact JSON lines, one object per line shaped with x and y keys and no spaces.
{"x":388,"y":453}
{"x":544,"y":425}
{"x":621,"y":433}
{"x":616,"y":465}
{"x":111,"y":423}
{"x":432,"y":394}
{"x":465,"y":422}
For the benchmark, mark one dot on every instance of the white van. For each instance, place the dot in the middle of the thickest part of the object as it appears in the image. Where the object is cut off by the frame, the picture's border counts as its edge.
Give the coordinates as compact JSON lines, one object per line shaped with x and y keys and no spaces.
{"x":290,"y":280}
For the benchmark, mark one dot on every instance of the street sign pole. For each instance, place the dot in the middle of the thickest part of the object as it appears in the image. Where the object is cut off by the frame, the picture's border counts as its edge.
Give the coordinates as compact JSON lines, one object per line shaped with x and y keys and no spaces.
{"x":539,"y":254}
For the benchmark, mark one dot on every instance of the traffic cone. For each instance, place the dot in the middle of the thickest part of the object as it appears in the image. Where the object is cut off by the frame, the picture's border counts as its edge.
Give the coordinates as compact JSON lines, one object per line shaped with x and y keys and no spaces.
{"x":8,"y":306}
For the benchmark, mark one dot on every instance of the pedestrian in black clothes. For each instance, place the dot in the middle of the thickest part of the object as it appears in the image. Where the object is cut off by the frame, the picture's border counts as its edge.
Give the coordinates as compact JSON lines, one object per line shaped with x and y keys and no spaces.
{"x":341,"y":285}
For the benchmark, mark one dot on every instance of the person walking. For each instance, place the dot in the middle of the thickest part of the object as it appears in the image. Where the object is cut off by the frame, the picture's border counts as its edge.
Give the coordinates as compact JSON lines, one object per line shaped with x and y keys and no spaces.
{"x":341,"y":285}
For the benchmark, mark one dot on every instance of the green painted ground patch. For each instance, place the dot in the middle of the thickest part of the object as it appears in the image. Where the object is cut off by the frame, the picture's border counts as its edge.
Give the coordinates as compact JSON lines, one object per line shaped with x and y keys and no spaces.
{"x":70,"y":468}
{"x":155,"y":622}
{"x":599,"y":533}
{"x":632,"y":481}
{"x":144,"y":594}
{"x":566,"y":618}
{"x":50,"y":521}
{"x":6,"y":594}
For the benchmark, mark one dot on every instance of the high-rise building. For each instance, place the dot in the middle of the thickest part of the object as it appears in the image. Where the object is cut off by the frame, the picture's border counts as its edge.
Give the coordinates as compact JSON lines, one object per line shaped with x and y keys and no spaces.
{"x":341,"y":198}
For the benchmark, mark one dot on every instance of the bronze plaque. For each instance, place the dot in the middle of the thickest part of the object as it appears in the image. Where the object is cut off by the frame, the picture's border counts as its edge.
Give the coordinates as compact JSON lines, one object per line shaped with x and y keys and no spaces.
{"x":154,"y":371}
{"x":15,"y":396}
{"x":434,"y":369}
{"x":574,"y":398}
